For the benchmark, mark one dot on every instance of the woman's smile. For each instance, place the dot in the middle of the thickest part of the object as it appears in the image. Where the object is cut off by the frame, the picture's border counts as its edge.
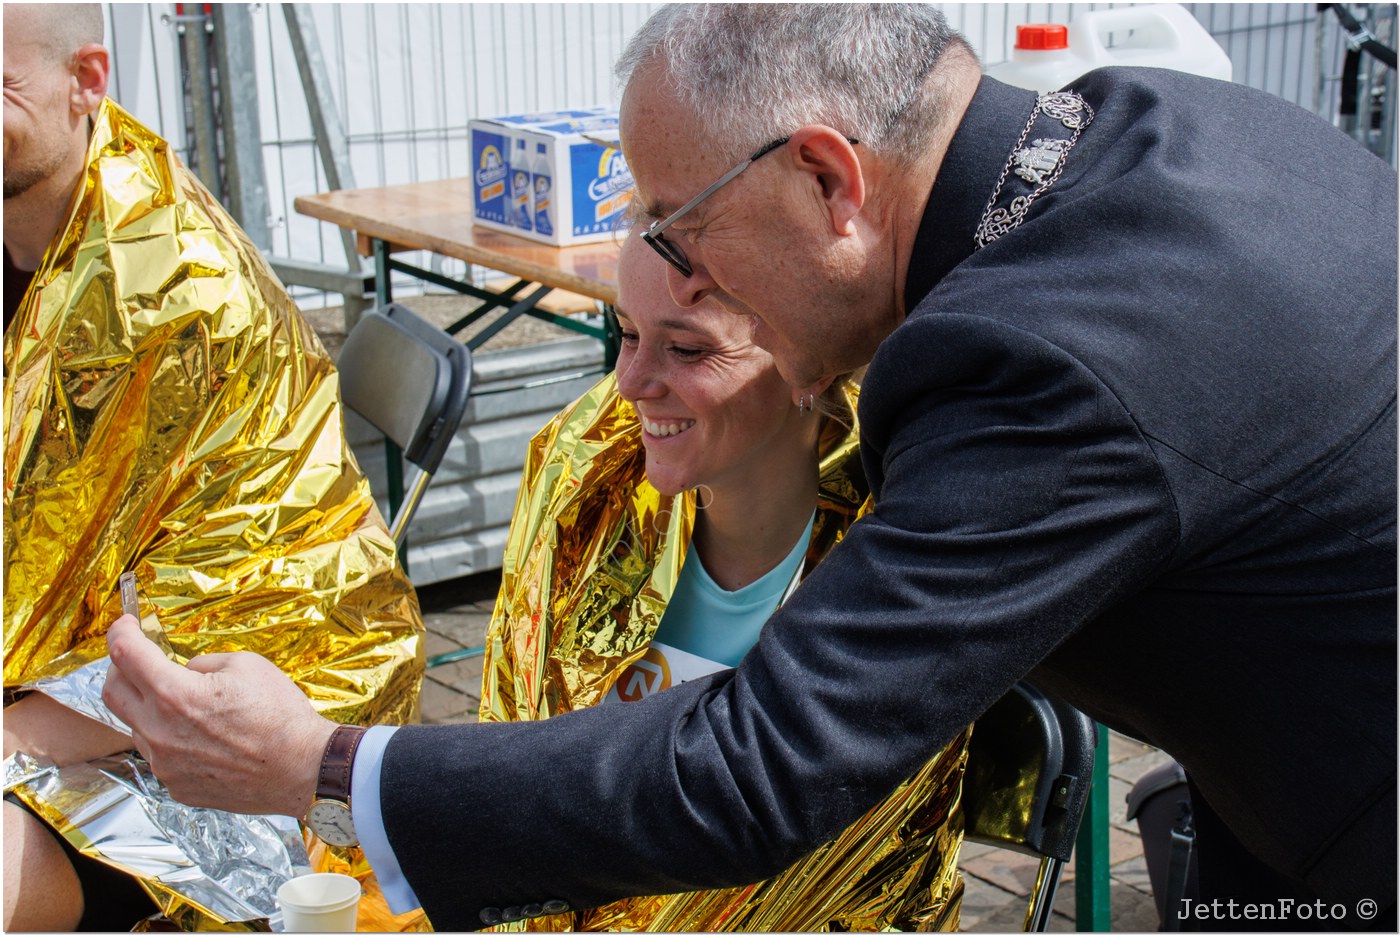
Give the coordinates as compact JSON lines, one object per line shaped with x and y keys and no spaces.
{"x":665,"y":428}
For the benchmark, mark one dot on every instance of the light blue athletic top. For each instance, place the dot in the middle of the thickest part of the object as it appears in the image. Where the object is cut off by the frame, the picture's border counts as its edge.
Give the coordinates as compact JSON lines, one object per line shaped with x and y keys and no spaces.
{"x":702,"y":619}
{"x":705,"y":619}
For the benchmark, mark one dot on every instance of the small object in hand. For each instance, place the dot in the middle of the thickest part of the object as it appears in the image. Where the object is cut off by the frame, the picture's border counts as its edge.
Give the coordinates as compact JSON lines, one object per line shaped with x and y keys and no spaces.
{"x":131,"y":602}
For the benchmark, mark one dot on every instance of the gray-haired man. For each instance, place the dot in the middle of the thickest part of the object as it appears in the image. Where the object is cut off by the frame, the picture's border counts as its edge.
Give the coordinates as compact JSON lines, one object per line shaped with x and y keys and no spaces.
{"x":1130,"y":418}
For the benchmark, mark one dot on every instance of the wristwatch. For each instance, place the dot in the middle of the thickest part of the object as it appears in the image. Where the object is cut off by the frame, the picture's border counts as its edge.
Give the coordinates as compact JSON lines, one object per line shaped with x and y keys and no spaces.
{"x":330,"y":816}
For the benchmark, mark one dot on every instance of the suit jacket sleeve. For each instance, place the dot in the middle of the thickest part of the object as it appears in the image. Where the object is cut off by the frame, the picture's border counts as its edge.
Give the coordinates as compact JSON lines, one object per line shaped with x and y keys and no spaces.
{"x":1016,"y":499}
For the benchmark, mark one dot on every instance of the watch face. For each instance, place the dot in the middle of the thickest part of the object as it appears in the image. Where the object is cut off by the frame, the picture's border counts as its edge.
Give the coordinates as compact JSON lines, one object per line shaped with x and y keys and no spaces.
{"x":331,"y":820}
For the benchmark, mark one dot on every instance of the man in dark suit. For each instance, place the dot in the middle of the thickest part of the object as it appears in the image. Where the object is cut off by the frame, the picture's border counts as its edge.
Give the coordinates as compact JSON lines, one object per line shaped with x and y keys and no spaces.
{"x":1130,"y":418}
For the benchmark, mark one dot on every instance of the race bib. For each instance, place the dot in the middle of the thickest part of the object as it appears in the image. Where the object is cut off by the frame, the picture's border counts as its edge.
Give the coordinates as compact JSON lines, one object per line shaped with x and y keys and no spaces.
{"x":662,"y":667}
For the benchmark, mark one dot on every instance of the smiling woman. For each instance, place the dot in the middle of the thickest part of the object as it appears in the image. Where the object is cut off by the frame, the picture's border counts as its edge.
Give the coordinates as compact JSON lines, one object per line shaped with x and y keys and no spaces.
{"x":668,"y":512}
{"x":714,"y":411}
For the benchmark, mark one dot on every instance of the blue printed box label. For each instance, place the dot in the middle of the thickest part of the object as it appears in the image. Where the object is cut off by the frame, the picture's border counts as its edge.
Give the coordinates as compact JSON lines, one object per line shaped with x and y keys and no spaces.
{"x":550,"y":116}
{"x":544,"y":209}
{"x":588,"y":124}
{"x":602,"y":187}
{"x":490,"y":169}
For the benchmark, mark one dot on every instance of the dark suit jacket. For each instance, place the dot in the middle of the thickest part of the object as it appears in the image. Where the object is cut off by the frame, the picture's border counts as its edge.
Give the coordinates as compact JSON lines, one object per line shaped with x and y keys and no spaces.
{"x":1142,"y":449}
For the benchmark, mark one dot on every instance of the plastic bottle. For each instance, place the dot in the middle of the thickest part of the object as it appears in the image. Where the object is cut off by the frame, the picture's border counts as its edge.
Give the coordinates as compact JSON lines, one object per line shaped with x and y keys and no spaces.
{"x":542,"y":178}
{"x":1049,"y":56}
{"x":521,"y":196}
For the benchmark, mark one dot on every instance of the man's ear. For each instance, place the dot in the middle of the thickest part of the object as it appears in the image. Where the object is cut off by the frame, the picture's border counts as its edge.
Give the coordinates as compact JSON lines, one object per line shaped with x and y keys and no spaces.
{"x":832,"y":161}
{"x":91,"y":68}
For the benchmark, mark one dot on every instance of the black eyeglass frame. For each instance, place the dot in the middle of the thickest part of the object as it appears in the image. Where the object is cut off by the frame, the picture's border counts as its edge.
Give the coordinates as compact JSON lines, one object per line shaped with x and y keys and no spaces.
{"x":672,"y":253}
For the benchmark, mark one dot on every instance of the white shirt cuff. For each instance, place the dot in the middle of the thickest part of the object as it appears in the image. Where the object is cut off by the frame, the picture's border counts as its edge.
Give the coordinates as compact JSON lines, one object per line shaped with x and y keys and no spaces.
{"x":369,"y":820}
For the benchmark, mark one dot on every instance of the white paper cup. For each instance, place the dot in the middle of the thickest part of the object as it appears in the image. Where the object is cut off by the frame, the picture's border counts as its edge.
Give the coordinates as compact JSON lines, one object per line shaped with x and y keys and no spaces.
{"x":319,"y":902}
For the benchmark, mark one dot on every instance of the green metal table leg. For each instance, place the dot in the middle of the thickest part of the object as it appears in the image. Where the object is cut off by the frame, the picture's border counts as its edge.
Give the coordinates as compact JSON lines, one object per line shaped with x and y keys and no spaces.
{"x":383,"y":292}
{"x":1091,"y":897}
{"x":612,"y":337}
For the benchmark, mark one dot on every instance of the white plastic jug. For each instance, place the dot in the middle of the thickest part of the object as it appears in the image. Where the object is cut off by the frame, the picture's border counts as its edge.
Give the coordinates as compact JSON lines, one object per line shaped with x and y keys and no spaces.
{"x":1049,"y":56}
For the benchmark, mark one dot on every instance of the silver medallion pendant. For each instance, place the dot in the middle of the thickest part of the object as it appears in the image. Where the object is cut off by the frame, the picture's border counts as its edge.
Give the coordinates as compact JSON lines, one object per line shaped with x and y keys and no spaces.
{"x":1035,"y":163}
{"x":1065,"y":114}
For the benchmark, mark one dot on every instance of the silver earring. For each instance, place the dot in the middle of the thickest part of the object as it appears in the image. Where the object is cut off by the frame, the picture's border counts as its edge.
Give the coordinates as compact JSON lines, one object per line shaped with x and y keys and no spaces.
{"x":806,"y":403}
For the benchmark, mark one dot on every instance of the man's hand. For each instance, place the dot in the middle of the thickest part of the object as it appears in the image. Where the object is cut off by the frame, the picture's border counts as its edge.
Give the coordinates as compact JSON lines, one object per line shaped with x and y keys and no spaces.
{"x":228,"y":731}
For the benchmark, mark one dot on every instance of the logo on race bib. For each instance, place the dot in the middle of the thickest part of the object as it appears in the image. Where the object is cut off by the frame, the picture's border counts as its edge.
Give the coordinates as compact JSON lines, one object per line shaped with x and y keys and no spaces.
{"x":646,"y":676}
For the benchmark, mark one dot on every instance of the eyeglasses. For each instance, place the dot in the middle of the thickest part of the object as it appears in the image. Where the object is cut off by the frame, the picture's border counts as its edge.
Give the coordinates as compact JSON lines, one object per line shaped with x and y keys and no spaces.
{"x":668,"y":250}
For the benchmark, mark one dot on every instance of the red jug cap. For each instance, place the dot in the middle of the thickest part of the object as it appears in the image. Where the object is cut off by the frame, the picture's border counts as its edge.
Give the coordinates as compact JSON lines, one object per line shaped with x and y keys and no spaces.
{"x":1042,"y":36}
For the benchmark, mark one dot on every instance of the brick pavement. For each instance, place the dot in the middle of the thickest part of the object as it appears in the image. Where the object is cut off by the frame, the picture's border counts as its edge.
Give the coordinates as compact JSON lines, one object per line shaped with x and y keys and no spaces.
{"x":998,"y":881}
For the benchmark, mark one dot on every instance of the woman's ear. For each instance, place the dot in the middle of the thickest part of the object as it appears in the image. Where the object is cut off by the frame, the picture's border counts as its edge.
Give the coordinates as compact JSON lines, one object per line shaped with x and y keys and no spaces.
{"x":830,"y":158}
{"x":800,"y":395}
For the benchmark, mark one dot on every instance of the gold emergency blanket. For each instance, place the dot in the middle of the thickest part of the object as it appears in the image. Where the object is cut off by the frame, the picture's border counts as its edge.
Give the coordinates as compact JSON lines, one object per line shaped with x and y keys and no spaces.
{"x":168,"y":411}
{"x":592,"y":559}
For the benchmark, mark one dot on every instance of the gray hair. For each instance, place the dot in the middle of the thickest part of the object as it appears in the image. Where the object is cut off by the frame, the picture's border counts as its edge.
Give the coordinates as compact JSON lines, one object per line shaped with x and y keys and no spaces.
{"x":753,"y":72}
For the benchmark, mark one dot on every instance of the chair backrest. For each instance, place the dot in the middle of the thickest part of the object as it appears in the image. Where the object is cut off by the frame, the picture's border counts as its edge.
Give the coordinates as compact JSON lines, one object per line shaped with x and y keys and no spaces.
{"x":409,"y":379}
{"x":1029,"y":768}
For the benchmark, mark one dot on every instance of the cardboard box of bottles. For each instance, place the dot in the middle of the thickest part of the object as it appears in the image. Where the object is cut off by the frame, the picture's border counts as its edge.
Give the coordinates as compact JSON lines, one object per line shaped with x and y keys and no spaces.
{"x":557,"y":177}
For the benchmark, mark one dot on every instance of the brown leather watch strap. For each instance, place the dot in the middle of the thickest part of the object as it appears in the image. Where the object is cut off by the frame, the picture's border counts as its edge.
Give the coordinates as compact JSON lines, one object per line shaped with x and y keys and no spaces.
{"x":333,"y":782}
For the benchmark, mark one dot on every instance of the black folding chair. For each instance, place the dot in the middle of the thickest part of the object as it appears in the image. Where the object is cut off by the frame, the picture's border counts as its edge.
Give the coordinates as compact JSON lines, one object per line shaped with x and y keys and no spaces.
{"x":1029,"y":768}
{"x":409,"y":379}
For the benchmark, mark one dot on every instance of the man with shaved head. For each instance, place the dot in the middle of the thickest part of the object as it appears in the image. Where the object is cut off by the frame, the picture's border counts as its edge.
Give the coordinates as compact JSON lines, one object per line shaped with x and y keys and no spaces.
{"x":157,"y":377}
{"x":56,"y":73}
{"x":55,"y":77}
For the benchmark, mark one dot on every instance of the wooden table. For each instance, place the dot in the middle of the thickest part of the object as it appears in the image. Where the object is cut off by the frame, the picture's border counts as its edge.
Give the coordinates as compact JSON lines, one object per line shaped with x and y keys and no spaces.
{"x":437,"y":217}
